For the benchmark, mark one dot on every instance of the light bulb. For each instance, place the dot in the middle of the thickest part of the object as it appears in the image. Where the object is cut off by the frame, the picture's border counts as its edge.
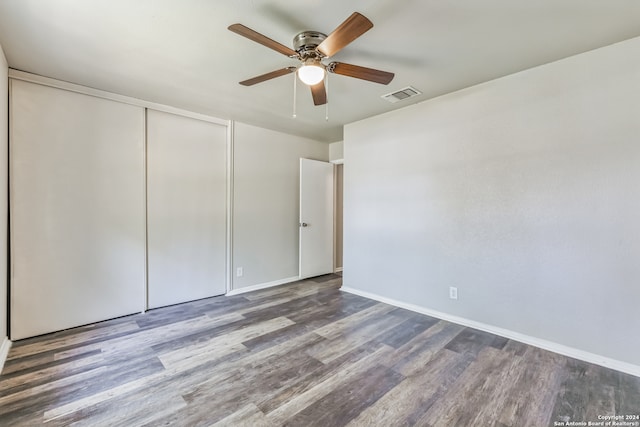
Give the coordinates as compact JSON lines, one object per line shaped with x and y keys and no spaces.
{"x":311,"y":74}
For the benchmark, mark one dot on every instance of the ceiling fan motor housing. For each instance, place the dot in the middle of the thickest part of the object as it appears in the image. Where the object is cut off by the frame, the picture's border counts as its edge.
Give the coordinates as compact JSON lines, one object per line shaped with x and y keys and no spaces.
{"x":305,"y":44}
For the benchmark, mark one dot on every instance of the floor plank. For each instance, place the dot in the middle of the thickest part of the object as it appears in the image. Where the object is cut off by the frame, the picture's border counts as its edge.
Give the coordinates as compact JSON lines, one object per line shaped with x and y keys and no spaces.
{"x":302,"y":354}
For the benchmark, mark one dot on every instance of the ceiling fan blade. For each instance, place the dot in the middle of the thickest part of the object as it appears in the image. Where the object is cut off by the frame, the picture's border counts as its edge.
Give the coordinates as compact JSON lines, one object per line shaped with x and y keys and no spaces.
{"x":263,"y":40}
{"x":364,"y":73}
{"x":268,"y":76}
{"x":354,"y":26}
{"x":319,"y":94}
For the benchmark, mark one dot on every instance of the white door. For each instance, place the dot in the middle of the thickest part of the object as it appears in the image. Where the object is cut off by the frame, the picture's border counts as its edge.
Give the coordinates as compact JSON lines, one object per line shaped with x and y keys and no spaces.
{"x":316,"y":218}
{"x":77,"y":209}
{"x":186,"y":208}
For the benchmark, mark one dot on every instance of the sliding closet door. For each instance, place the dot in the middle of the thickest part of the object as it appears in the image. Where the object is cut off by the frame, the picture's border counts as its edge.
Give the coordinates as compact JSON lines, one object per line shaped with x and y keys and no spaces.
{"x":77,"y":209}
{"x":186,"y":208}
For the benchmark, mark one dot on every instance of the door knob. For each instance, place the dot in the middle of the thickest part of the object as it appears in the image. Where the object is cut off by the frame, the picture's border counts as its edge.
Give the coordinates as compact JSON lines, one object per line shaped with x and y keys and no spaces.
{"x":304,"y":224}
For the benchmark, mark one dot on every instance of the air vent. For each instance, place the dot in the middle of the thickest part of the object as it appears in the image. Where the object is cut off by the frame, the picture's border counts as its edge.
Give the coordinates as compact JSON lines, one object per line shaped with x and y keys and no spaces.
{"x":402,"y":94}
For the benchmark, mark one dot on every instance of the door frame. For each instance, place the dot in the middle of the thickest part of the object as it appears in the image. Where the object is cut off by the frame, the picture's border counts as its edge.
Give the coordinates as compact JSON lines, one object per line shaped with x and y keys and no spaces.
{"x":337,"y":162}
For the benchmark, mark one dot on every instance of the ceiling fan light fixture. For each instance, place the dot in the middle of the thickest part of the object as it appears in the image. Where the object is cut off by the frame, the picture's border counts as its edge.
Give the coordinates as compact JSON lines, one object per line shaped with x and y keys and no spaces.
{"x":311,"y":73}
{"x":311,"y":48}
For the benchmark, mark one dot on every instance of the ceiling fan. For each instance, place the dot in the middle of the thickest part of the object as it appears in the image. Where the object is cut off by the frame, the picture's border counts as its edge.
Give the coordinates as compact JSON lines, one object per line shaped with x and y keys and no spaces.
{"x":311,"y":48}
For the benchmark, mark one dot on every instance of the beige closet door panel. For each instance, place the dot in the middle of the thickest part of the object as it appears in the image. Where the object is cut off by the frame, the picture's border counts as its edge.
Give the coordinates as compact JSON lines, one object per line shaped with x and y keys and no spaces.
{"x":77,"y":209}
{"x":186,"y":208}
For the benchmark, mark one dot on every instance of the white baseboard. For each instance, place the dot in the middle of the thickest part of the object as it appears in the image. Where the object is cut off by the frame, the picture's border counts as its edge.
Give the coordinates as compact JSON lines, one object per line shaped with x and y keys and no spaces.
{"x":564,"y":350}
{"x":4,"y":351}
{"x":262,"y":286}
{"x":338,"y":269}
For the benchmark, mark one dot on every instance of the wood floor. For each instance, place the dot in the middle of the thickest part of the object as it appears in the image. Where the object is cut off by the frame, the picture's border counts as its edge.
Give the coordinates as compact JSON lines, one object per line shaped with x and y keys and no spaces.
{"x":304,"y":354}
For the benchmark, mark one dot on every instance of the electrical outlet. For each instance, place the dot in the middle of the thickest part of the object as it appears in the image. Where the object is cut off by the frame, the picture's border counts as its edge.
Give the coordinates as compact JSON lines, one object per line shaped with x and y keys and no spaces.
{"x":239,"y":272}
{"x":453,"y":292}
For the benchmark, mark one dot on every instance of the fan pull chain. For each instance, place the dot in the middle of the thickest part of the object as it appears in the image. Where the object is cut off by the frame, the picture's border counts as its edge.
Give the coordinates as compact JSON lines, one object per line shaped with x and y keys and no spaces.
{"x":295,"y":90}
{"x":326,"y":105}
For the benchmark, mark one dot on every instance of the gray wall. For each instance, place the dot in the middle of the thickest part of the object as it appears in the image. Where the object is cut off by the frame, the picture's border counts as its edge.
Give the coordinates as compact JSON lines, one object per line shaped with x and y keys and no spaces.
{"x":523,"y":192}
{"x":266,"y":202}
{"x":336,"y":151}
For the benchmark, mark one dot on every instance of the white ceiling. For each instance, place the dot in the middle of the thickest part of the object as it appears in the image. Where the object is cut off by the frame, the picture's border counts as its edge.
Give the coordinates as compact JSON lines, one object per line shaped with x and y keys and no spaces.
{"x":180,"y":53}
